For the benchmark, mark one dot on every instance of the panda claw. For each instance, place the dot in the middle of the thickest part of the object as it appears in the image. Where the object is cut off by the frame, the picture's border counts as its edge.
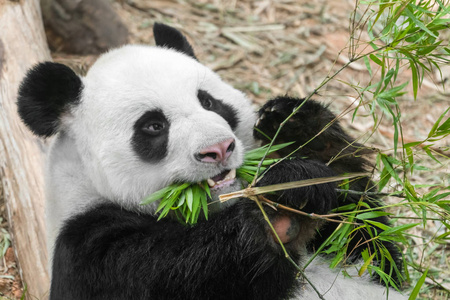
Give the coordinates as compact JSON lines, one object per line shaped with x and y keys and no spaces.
{"x":258,"y":122}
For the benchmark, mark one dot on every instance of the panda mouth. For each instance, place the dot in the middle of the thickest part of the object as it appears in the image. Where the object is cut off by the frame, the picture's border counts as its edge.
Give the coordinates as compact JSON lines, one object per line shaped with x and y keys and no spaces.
{"x":225,"y":178}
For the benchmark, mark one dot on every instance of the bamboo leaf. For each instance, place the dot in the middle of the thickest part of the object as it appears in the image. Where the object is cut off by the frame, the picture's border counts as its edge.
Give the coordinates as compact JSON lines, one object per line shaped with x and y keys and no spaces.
{"x":372,"y":215}
{"x":367,"y":63}
{"x":189,"y":198}
{"x":417,"y":287}
{"x":398,"y":229}
{"x":367,"y":262}
{"x":419,"y":24}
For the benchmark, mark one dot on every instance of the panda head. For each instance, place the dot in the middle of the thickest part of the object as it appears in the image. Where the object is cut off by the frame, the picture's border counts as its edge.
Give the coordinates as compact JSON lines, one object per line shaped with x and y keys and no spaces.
{"x":142,"y":118}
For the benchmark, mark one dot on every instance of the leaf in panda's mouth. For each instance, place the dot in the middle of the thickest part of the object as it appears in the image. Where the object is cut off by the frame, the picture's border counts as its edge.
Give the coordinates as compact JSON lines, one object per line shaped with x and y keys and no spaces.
{"x":188,"y":199}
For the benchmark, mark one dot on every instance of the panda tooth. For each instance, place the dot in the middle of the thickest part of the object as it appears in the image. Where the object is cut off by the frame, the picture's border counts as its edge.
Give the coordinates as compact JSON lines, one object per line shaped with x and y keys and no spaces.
{"x":211,"y":182}
{"x":230,"y":175}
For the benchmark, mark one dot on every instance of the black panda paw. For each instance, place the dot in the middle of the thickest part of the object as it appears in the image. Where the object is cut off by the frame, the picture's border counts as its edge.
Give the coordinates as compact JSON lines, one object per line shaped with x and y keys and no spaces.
{"x":318,"y":198}
{"x":273,"y":113}
{"x":302,"y":128}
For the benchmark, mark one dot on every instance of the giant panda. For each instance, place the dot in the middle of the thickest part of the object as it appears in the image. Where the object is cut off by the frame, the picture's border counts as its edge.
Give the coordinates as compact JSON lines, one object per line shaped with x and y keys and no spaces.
{"x":144,"y":117}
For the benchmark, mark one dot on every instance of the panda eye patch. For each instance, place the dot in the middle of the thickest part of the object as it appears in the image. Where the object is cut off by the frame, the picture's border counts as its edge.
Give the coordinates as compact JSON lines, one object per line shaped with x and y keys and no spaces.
{"x":151,"y":135}
{"x":226,"y":111}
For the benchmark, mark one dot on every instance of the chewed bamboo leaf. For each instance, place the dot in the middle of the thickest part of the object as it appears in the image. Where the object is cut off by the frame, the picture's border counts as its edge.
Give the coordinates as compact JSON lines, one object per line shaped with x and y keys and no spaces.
{"x":188,"y":199}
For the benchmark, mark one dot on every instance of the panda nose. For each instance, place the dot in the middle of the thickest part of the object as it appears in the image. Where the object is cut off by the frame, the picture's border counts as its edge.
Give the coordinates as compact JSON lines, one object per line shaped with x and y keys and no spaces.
{"x":216,"y":153}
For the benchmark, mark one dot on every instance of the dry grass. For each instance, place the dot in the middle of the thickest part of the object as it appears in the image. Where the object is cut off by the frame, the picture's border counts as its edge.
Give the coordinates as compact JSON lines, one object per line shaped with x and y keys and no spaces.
{"x":272,"y":47}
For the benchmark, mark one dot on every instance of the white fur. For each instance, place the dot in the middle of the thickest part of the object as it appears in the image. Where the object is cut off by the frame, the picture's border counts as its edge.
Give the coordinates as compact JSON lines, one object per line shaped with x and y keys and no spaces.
{"x":92,"y":158}
{"x":333,"y":285}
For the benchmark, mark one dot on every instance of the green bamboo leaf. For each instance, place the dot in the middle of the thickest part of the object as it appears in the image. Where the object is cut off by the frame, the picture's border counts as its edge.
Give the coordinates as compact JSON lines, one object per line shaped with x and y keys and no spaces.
{"x":181,"y":200}
{"x":411,"y":144}
{"x":167,"y":207}
{"x":389,"y":167}
{"x":156,"y":196}
{"x":409,"y":188}
{"x":189,"y":198}
{"x":419,"y":284}
{"x":444,"y":128}
{"x":410,"y":156}
{"x":415,"y":78}
{"x":258,"y":153}
{"x":367,"y":262}
{"x":372,"y":215}
{"x":347,"y":207}
{"x":385,"y":176}
{"x":367,"y":63}
{"x":378,"y":224}
{"x":204,"y":202}
{"x":439,"y":197}
{"x":419,"y":24}
{"x":436,"y":125}
{"x":428,"y":49}
{"x":398,"y":229}
{"x":376,"y":60}
{"x":398,"y":12}
{"x":428,"y":152}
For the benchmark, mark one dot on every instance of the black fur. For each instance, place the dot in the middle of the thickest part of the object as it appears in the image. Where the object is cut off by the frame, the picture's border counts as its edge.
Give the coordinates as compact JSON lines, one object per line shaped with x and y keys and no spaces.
{"x":45,"y":94}
{"x":224,"y":110}
{"x":150,"y":144}
{"x":107,"y":252}
{"x":335,"y":147}
{"x":166,"y":36}
{"x":111,"y":253}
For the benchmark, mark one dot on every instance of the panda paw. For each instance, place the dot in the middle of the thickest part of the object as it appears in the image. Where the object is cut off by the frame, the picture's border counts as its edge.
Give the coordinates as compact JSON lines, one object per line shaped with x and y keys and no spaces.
{"x":319,"y":199}
{"x":273,"y":113}
{"x":313,"y":128}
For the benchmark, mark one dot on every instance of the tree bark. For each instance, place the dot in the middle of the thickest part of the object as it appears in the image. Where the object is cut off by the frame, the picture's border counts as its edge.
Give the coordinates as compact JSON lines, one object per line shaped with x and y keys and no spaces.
{"x":82,"y":26}
{"x":22,"y":44}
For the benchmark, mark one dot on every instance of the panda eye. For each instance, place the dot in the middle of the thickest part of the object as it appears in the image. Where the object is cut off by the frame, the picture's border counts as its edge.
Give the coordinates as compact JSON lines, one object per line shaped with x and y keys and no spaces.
{"x":206,"y":100}
{"x":206,"y":103}
{"x":153,"y":128}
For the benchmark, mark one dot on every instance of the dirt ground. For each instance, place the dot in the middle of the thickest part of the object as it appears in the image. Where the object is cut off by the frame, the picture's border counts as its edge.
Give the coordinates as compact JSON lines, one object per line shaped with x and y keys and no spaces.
{"x":273,"y":47}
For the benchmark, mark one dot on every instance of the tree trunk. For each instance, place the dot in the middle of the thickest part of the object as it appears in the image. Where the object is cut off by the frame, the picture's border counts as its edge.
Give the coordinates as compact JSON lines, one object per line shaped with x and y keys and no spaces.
{"x":22,"y":44}
{"x":82,"y":26}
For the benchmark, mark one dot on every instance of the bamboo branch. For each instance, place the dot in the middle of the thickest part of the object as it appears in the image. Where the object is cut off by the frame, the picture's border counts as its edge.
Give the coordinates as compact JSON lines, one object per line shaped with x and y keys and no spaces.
{"x":253,"y":191}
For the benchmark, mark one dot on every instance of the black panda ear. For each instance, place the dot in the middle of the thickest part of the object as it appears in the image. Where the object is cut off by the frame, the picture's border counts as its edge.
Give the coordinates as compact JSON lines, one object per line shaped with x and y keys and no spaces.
{"x":166,"y":36}
{"x":45,"y":94}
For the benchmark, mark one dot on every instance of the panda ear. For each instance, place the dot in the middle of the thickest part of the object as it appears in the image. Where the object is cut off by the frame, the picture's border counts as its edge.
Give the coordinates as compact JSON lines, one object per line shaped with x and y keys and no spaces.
{"x":46,"y":92}
{"x":166,"y":36}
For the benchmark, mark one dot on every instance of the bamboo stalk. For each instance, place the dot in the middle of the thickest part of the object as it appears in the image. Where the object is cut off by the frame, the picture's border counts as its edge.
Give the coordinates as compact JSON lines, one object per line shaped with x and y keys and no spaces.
{"x":253,"y":191}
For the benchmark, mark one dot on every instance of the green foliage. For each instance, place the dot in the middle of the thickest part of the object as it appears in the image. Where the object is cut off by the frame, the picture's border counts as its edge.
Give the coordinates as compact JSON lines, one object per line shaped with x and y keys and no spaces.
{"x":186,"y":200}
{"x":403,"y":35}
